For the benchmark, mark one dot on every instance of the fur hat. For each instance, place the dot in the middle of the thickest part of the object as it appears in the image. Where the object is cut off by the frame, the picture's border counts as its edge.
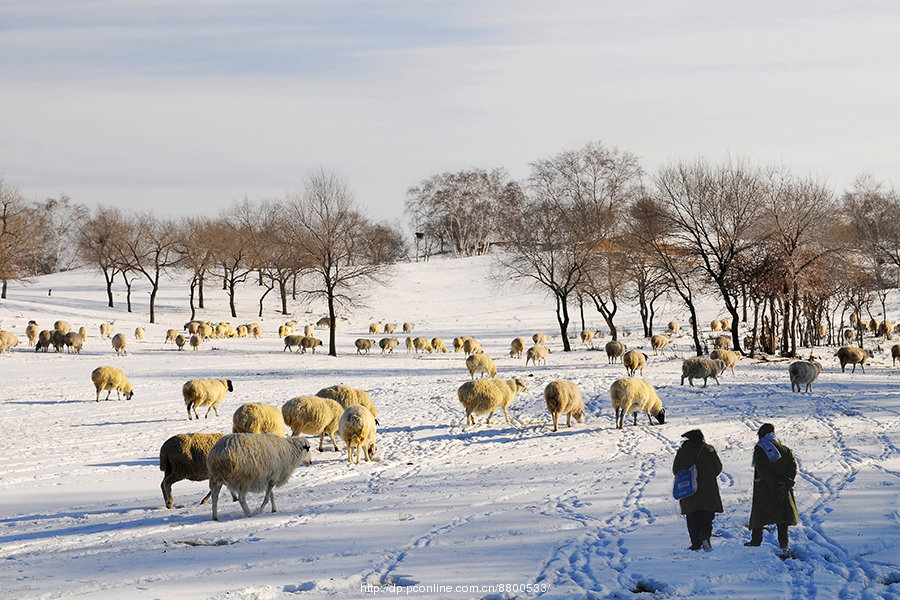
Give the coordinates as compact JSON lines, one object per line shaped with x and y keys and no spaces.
{"x":694,"y":435}
{"x":765,"y":428}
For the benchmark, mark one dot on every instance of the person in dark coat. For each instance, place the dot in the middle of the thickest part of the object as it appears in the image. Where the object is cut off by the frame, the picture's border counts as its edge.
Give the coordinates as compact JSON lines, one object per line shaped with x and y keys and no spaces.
{"x":774,"y":470}
{"x":700,"y":508}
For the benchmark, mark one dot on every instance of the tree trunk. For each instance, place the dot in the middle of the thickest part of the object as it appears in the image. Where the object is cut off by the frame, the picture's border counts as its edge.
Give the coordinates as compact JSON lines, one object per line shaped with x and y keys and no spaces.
{"x":263,"y":297}
{"x":128,"y":294}
{"x":562,"y":317}
{"x":199,"y":292}
{"x":332,"y":345}
{"x":193,"y":288}
{"x":153,"y":292}
{"x":231,"y":293}
{"x":282,"y":289}
{"x":109,"y":284}
{"x":5,"y":287}
{"x":695,"y":328}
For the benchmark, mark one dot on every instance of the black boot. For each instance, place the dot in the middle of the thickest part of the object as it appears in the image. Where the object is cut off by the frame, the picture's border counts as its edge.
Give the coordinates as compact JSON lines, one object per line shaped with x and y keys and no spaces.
{"x":755,"y":537}
{"x":783,"y":536}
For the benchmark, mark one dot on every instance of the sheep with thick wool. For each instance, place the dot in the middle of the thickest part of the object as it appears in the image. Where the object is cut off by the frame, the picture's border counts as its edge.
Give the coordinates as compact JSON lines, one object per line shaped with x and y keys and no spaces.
{"x":487,"y":395}
{"x":31,"y":332}
{"x":587,"y":337}
{"x":516,"y":348}
{"x":253,"y":463}
{"x":139,"y":333}
{"x":673,"y":327}
{"x":73,"y":342}
{"x":8,"y":340}
{"x":471,"y":346}
{"x":409,"y":345}
{"x":82,"y":332}
{"x":347,"y":396}
{"x":309,"y":343}
{"x":729,"y":357}
{"x":540,"y":338}
{"x":564,"y":397}
{"x":408,"y":327}
{"x":109,"y":379}
{"x":198,"y":393}
{"x":292,"y":341}
{"x":422,"y":344}
{"x":309,"y":330}
{"x":195,"y":341}
{"x":458,"y":343}
{"x":614,"y":351}
{"x":171,"y":334}
{"x":634,"y":361}
{"x":438,"y":345}
{"x":179,"y":341}
{"x":722,"y":341}
{"x":698,"y":367}
{"x":632,"y":395}
{"x":183,"y":456}
{"x":313,"y":415}
{"x":390,"y":328}
{"x":363,"y":344}
{"x":895,"y":353}
{"x":375,"y":328}
{"x":481,"y":363}
{"x":388,"y":344}
{"x":119,"y":342}
{"x":43,"y":341}
{"x":537,"y":354}
{"x":659,"y":342}
{"x":106,"y":330}
{"x":62,"y":326}
{"x":255,"y":417}
{"x":803,"y":372}
{"x":357,"y":427}
{"x":58,"y":339}
{"x":851,"y":355}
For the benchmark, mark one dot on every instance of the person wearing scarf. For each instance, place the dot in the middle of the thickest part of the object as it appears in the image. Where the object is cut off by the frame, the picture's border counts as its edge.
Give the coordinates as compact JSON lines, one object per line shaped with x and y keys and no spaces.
{"x":773,"y":487}
{"x":700,"y":508}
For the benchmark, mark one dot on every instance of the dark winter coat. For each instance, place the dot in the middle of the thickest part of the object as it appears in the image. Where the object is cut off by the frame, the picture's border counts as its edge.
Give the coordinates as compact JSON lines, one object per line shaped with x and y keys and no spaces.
{"x":773,"y":482}
{"x":708,"y":468}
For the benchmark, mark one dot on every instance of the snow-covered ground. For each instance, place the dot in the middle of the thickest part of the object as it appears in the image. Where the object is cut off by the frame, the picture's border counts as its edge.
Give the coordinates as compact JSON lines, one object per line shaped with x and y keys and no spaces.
{"x":507,"y":510}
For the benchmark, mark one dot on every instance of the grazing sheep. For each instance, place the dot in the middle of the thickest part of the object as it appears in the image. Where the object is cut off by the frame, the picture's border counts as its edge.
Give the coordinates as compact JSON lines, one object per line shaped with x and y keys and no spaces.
{"x":388,"y":344}
{"x":423,"y":344}
{"x":409,"y":345}
{"x":309,"y":343}
{"x":195,"y":341}
{"x":139,"y":333}
{"x":540,"y":338}
{"x":109,"y":379}
{"x":458,"y":343}
{"x":118,"y":343}
{"x":179,"y":341}
{"x":284,"y":330}
{"x":313,"y":415}
{"x":722,"y":341}
{"x":895,"y":353}
{"x":309,"y":330}
{"x":849,"y":334}
{"x":171,"y":334}
{"x":255,"y":417}
{"x":614,"y":351}
{"x":803,"y":372}
{"x":634,"y":360}
{"x":408,"y":327}
{"x":375,"y":328}
{"x":481,"y":363}
{"x":82,"y":332}
{"x":183,"y":456}
{"x":324,"y":323}
{"x":699,"y":367}
{"x":659,"y":342}
{"x":73,"y":342}
{"x":823,"y":330}
{"x":192,"y":327}
{"x":253,"y":463}
{"x":470,"y":346}
{"x":62,"y":326}
{"x":357,"y":429}
{"x":8,"y":340}
{"x":438,"y":345}
{"x":243,"y":331}
{"x":535,"y":354}
{"x":748,"y":343}
{"x":587,"y":337}
{"x":854,"y":356}
{"x":516,"y":347}
{"x":255,"y":330}
{"x":487,"y":395}
{"x":632,"y":395}
{"x":43,"y":341}
{"x":564,"y":397}
{"x":673,"y":327}
{"x":729,"y":357}
{"x":715,"y":326}
{"x":390,"y":328}
{"x":205,"y":331}
{"x":31,"y":332}
{"x":106,"y":330}
{"x":348,"y":396}
{"x":58,"y":339}
{"x":364,"y":344}
{"x":291,"y":341}
{"x":725,"y":324}
{"x":205,"y":392}
{"x":886,"y":329}
{"x":874,"y":325}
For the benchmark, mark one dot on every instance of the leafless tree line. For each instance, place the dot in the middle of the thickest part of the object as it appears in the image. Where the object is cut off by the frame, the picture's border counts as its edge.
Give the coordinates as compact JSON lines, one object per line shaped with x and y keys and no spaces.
{"x":785,"y":254}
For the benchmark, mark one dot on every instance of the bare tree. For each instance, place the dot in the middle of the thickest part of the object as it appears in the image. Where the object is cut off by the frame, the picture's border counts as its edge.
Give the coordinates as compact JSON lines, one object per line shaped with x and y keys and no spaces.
{"x":97,"y":241}
{"x":15,"y":232}
{"x":198,"y":240}
{"x":235,"y":250}
{"x":58,"y":220}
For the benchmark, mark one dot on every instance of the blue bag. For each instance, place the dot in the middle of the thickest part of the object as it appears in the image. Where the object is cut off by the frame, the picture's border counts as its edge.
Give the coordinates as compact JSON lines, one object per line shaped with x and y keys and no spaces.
{"x":685,"y":483}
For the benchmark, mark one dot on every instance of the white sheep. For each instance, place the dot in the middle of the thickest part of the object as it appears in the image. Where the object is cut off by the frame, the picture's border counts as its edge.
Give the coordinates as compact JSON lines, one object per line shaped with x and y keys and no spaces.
{"x":255,"y":417}
{"x":284,"y":330}
{"x":292,"y":341}
{"x":729,"y":357}
{"x":119,"y":341}
{"x":313,"y":415}
{"x":375,"y":328}
{"x":243,"y":331}
{"x":458,"y":343}
{"x":82,"y":332}
{"x":62,"y":326}
{"x":196,"y":339}
{"x":587,"y":337}
{"x":139,"y":333}
{"x":715,"y":326}
{"x":634,"y":360}
{"x":31,"y":332}
{"x":659,"y":342}
{"x":183,"y":456}
{"x":408,"y":327}
{"x":347,"y":396}
{"x":423,"y":344}
{"x":205,"y":392}
{"x":390,"y":328}
{"x":722,"y":341}
{"x":357,"y":427}
{"x":615,"y":350}
{"x":698,"y":367}
{"x":309,"y":330}
{"x":803,"y":372}
{"x":438,"y":345}
{"x":895,"y":353}
{"x":470,"y":346}
{"x":537,"y":353}
{"x":73,"y":342}
{"x":564,"y":397}
{"x":487,"y":395}
{"x":516,"y":347}
{"x":192,"y":326}
{"x":58,"y":339}
{"x":853,"y":356}
{"x":388,"y":344}
{"x":673,"y":327}
{"x":253,"y":463}
{"x":540,"y":338}
{"x":106,"y":330}
{"x":8,"y":340}
{"x":206,"y":331}
{"x":109,"y":379}
{"x":171,"y":334}
{"x":179,"y":341}
{"x":481,"y":363}
{"x":43,"y":341}
{"x":363,"y":344}
{"x":725,"y":323}
{"x":632,"y":395}
{"x":410,"y":345}
{"x":309,"y":343}
{"x":849,"y":334}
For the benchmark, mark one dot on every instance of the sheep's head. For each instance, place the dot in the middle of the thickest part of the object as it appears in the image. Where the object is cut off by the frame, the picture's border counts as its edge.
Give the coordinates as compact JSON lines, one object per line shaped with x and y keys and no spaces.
{"x":228,"y":384}
{"x":126,"y":389}
{"x":660,"y":416}
{"x":577,"y":415}
{"x":520,"y":385}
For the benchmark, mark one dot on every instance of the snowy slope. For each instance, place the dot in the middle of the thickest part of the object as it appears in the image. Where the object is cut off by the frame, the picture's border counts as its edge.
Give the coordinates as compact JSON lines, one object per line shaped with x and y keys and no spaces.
{"x":446,"y":510}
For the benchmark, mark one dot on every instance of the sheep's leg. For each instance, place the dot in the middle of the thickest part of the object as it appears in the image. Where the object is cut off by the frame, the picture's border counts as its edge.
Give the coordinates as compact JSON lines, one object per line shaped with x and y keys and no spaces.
{"x":321,"y":441}
{"x":189,"y":412}
{"x":334,"y":443}
{"x":619,"y":417}
{"x":268,"y":497}
{"x":166,"y":486}
{"x":214,"y":489}
{"x":205,"y":498}
{"x":568,"y":419}
{"x":349,"y":452}
{"x":242,"y":498}
{"x":555,"y":417}
{"x":635,"y":417}
{"x":505,"y":414}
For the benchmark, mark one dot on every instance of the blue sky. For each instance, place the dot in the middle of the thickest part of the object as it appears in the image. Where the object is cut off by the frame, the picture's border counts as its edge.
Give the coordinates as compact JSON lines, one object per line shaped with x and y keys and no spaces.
{"x":188,"y":106}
